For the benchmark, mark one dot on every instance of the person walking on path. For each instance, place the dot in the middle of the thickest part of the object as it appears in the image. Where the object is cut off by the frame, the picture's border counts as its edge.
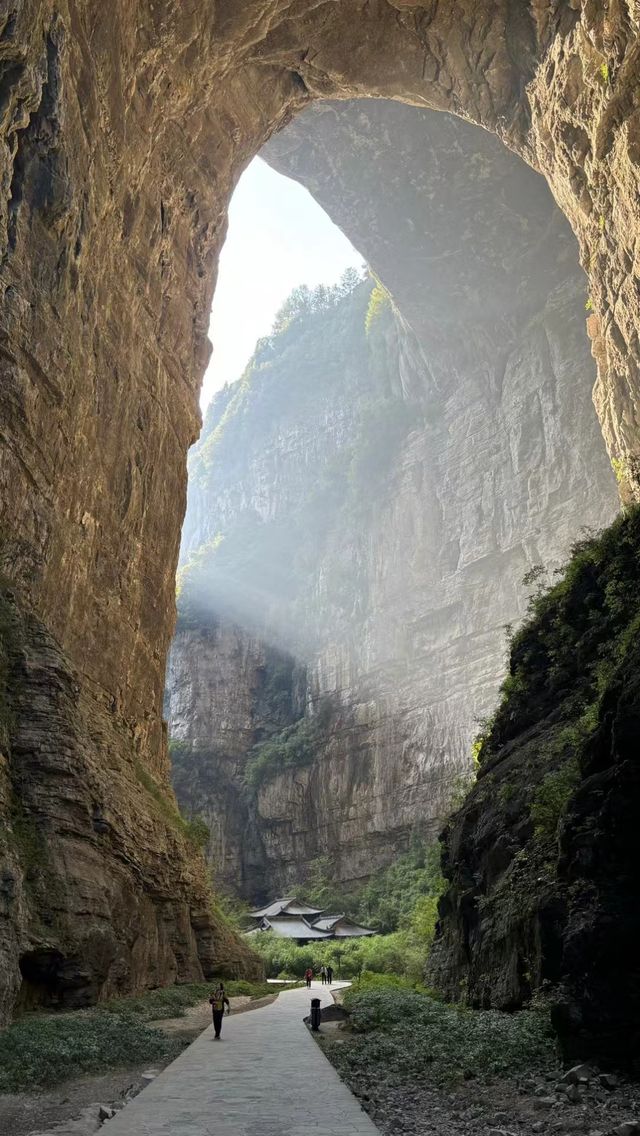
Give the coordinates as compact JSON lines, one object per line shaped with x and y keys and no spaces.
{"x":329,"y":975}
{"x":308,"y":974}
{"x":218,"y":1001}
{"x":323,"y":974}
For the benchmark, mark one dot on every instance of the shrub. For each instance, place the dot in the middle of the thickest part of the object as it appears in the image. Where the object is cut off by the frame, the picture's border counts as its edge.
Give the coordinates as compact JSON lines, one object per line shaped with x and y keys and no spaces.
{"x":398,"y":954}
{"x":378,"y":301}
{"x":405,"y":1034}
{"x":389,"y":899}
{"x":369,"y":980}
{"x":173,"y":1001}
{"x":552,"y":797}
{"x":40,"y":1051}
{"x":294,"y":747}
{"x":619,"y":467}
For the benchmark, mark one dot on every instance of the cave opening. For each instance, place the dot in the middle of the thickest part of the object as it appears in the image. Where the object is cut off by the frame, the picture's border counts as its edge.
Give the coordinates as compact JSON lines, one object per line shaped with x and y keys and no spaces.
{"x":365,"y":502}
{"x":123,"y":130}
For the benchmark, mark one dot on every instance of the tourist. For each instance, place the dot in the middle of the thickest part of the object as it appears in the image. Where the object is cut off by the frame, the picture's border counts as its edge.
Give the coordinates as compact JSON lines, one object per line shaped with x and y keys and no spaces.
{"x":329,"y":975}
{"x":218,"y":1001}
{"x":308,"y":974}
{"x":323,"y":974}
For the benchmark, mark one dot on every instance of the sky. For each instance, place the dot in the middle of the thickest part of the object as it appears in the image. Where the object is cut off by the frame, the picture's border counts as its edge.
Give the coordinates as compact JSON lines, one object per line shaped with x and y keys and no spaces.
{"x":278,"y":237}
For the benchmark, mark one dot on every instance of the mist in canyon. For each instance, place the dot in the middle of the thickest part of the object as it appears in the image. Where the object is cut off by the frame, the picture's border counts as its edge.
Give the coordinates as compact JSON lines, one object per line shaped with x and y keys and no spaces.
{"x":365,"y":500}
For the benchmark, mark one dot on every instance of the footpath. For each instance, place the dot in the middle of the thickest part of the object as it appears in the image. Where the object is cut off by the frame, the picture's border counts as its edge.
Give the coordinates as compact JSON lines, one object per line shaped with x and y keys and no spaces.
{"x":266,"y":1077}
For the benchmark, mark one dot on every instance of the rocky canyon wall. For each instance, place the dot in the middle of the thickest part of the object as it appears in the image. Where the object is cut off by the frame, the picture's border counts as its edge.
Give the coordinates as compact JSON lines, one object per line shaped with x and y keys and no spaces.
{"x":396,"y":608}
{"x":540,"y":859}
{"x":102,"y":343}
{"x":123,"y":129}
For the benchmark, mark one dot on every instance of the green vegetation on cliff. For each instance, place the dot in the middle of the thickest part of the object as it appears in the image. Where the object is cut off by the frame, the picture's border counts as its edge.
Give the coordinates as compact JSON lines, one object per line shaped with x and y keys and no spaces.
{"x":294,"y":747}
{"x":195,"y":831}
{"x":405,"y":894}
{"x":378,"y":300}
{"x":539,"y":858}
{"x":579,"y":633}
{"x":255,"y":562}
{"x":393,"y":899}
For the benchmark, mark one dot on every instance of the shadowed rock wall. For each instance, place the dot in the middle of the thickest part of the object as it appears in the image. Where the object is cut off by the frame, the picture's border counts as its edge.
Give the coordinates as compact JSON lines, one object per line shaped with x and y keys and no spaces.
{"x":540,"y":859}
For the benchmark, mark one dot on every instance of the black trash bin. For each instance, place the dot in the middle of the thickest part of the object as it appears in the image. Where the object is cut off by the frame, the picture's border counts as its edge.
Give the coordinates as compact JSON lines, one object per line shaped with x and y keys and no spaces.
{"x":315,"y":1014}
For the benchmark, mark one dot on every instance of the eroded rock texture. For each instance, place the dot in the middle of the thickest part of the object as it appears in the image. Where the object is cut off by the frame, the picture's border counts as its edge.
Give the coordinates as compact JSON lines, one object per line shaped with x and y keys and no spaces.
{"x":101,"y":889}
{"x":541,"y":857}
{"x":122,"y":130}
{"x":226,"y":689}
{"x":397,"y":600}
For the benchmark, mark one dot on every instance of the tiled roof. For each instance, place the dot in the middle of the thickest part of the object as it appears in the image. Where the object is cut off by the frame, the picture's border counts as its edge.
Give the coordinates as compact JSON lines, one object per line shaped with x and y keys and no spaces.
{"x":292,"y":927}
{"x":286,"y":905}
{"x":326,"y":922}
{"x":349,"y":930}
{"x":342,"y":927}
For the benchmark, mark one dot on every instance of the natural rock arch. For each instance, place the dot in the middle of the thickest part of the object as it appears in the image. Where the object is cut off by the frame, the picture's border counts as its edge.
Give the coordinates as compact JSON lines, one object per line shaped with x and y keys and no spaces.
{"x":124,"y":128}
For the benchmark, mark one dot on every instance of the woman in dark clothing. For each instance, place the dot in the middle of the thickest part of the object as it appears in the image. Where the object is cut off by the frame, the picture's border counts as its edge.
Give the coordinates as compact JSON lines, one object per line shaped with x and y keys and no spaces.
{"x":218,"y":1001}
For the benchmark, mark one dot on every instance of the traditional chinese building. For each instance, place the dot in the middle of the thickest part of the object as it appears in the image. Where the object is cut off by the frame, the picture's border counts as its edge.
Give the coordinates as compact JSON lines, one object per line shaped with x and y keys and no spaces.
{"x":290,"y":918}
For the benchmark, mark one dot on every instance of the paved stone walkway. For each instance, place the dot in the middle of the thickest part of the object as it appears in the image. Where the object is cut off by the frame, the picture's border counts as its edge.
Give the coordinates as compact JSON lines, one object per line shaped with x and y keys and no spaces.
{"x":267,"y":1077}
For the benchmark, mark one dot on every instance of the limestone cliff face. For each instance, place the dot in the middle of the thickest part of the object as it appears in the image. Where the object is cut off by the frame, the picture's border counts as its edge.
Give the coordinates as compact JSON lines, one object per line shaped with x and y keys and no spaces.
{"x":98,"y":275}
{"x":221,"y":698}
{"x":122,"y":131}
{"x":397,"y":607}
{"x":102,"y":890}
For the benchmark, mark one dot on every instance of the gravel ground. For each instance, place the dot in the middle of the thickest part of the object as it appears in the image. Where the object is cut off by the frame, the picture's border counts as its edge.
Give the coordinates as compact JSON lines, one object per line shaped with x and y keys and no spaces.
{"x":584,"y":1102}
{"x":24,"y":1113}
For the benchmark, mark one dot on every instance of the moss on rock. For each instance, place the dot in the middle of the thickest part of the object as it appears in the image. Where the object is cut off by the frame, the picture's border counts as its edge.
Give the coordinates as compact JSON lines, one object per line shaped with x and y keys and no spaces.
{"x":539,"y":858}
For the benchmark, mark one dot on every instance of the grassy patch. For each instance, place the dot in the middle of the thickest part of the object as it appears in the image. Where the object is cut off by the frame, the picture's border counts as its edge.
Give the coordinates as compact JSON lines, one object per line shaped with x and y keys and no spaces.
{"x":41,"y":1051}
{"x":196,"y":831}
{"x":402,"y":1034}
{"x":173,"y":1001}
